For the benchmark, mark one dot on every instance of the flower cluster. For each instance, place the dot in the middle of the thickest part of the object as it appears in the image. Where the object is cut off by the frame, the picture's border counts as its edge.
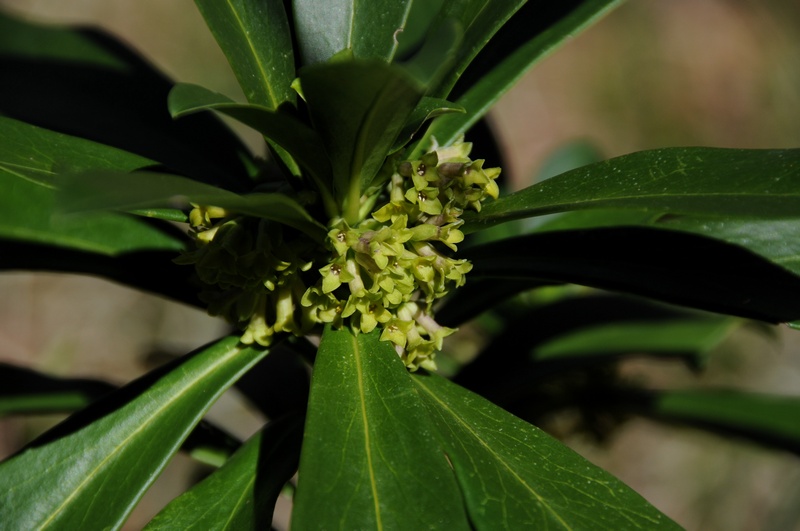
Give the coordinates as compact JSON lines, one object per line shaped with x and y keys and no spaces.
{"x":386,"y":271}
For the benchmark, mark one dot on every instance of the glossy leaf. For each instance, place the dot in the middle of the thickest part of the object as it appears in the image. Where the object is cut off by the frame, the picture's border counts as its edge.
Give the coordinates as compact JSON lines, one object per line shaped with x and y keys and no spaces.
{"x":369,"y":29}
{"x":242,"y":493}
{"x":530,"y":36}
{"x":369,"y":458}
{"x":667,"y":265}
{"x":697,"y":181}
{"x":85,"y":83}
{"x":299,"y":140}
{"x":685,"y":336}
{"x":89,"y":191}
{"x":358,"y":108}
{"x":30,"y":161}
{"x":255,"y":37}
{"x":767,"y":419}
{"x":513,"y":475}
{"x":58,"y":482}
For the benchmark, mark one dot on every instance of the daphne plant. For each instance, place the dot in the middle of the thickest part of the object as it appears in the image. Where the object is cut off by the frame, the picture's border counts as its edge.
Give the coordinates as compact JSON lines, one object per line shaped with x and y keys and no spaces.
{"x":357,"y":249}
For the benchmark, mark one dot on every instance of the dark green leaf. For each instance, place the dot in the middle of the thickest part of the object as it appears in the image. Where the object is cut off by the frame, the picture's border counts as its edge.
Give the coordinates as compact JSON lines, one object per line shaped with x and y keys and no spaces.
{"x":479,"y":296}
{"x":85,"y":83}
{"x":60,"y":482}
{"x":532,"y":34}
{"x":369,"y":29}
{"x":254,"y":35}
{"x":242,"y":493}
{"x":671,"y":266}
{"x":436,"y":56}
{"x":125,"y":191}
{"x":30,"y":159}
{"x":299,"y":140}
{"x":427,"y":109}
{"x":698,"y":181}
{"x":679,"y":336}
{"x":369,"y":459}
{"x":359,"y":108}
{"x":767,"y":419}
{"x":514,"y":476}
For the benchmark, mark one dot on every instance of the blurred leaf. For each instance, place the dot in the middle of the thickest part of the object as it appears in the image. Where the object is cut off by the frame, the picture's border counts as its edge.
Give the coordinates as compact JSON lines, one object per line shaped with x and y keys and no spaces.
{"x":87,"y":84}
{"x":418,"y":23}
{"x":23,"y":391}
{"x":106,"y":190}
{"x":679,"y":336}
{"x":255,"y":37}
{"x":766,"y":419}
{"x":438,"y":51}
{"x":151,"y":271}
{"x":369,"y":29}
{"x":60,"y":481}
{"x":698,"y":181}
{"x":476,"y":297}
{"x":671,"y":266}
{"x":299,"y":140}
{"x":359,"y":108}
{"x":514,"y":476}
{"x":531,"y":35}
{"x":369,"y":454}
{"x":30,"y":160}
{"x":242,"y":493}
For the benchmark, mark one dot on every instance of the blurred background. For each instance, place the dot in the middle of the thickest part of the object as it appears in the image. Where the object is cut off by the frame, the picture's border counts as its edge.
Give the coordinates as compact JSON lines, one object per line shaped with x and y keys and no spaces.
{"x":651,"y":74}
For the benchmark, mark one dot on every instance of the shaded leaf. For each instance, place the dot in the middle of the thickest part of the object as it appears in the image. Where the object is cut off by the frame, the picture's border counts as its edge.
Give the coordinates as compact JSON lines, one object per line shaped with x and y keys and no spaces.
{"x":514,"y":476}
{"x":698,"y":181}
{"x":531,"y":35}
{"x":87,"y":84}
{"x":242,"y":493}
{"x":299,"y":140}
{"x":369,"y":29}
{"x":427,"y":109}
{"x":671,"y":266}
{"x":126,"y":440}
{"x":97,"y":190}
{"x":369,"y":454}
{"x":476,"y":297}
{"x":255,"y":37}
{"x":766,"y":419}
{"x":679,"y":336}
{"x":358,"y":108}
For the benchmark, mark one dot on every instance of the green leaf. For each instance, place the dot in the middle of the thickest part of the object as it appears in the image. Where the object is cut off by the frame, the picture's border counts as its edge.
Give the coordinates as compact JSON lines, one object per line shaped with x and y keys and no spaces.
{"x":87,"y":84}
{"x":369,"y":29}
{"x":478,"y":296}
{"x":242,"y":493}
{"x":514,"y":476}
{"x":23,"y":391}
{"x":30,"y":161}
{"x":530,"y":36}
{"x":676,"y":336}
{"x":697,"y":181}
{"x":255,"y":37}
{"x":60,"y":482}
{"x":358,"y":108}
{"x":299,"y":140}
{"x":369,"y":458}
{"x":767,"y":419}
{"x":427,"y":109}
{"x":436,"y":56}
{"x":98,"y":190}
{"x":668,"y":265}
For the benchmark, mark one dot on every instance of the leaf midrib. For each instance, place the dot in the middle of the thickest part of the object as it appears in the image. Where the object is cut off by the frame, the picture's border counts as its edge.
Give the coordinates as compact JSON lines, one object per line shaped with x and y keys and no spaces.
{"x":255,"y":55}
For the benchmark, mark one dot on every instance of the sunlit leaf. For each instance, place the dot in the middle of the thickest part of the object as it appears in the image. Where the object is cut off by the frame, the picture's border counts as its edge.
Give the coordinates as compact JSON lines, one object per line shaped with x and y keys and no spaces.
{"x":61,"y":480}
{"x":369,"y":459}
{"x":514,"y":476}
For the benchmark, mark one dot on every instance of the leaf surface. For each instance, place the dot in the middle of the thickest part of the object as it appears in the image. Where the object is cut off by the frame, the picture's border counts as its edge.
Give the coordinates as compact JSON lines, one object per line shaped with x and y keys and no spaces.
{"x":369,"y":455}
{"x":61,"y":481}
{"x":667,"y":265}
{"x":242,"y":493}
{"x":254,"y":35}
{"x":514,"y":476}
{"x":711,"y":182}
{"x":369,"y":29}
{"x":531,"y":35}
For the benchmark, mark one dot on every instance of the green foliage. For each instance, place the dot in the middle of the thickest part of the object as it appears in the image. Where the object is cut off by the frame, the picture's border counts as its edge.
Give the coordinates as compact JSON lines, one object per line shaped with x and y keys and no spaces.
{"x":350,"y":231}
